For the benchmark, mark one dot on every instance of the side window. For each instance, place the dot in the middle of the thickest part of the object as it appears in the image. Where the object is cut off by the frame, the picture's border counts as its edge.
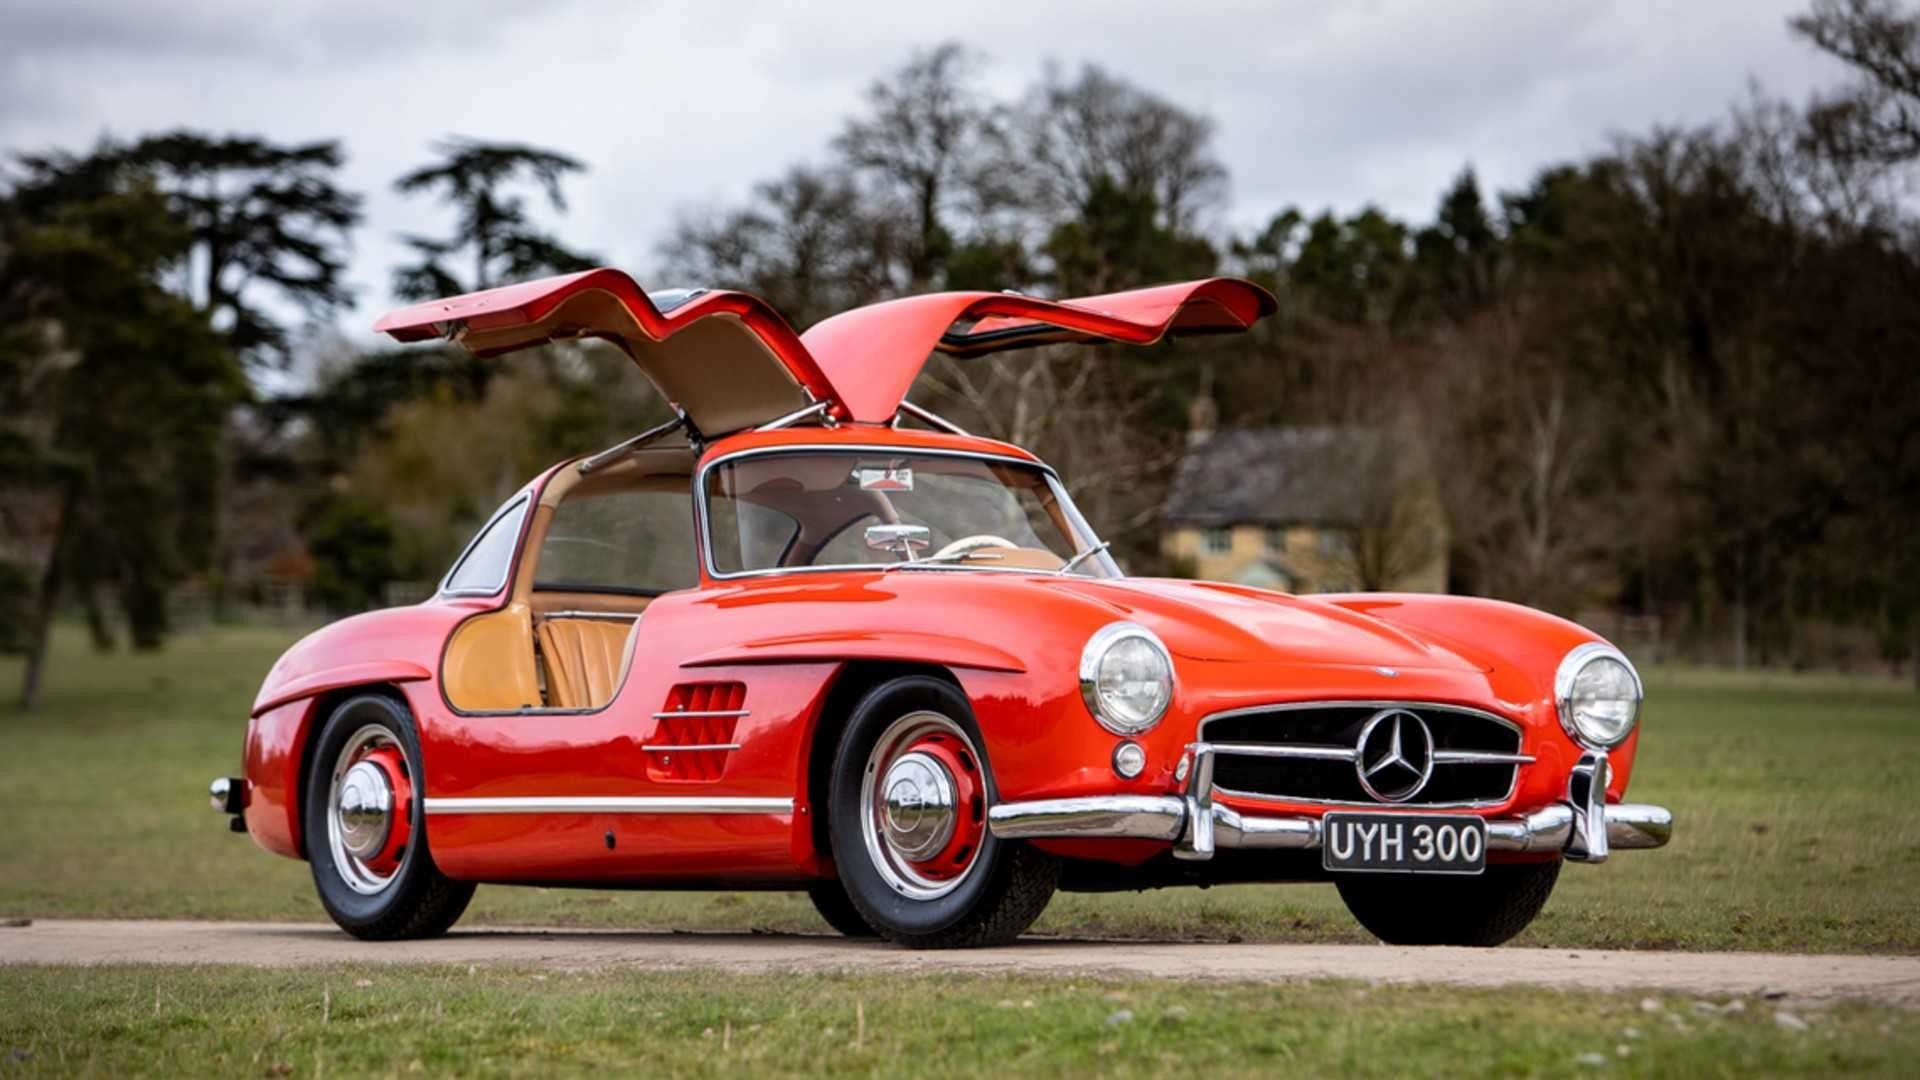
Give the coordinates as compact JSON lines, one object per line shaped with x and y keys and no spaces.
{"x":638,"y":542}
{"x":483,"y":569}
{"x":746,"y":535}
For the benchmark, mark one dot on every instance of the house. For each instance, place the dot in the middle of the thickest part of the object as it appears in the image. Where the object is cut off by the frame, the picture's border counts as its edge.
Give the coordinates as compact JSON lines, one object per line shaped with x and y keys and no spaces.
{"x":1304,"y":509}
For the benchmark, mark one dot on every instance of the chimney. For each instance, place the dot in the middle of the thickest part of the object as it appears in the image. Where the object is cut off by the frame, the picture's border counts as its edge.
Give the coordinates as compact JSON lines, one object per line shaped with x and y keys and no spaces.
{"x":1203,"y":413}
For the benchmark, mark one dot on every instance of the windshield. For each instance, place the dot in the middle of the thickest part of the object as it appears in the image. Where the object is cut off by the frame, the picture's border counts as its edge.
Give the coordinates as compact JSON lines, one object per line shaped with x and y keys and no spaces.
{"x":845,"y":508}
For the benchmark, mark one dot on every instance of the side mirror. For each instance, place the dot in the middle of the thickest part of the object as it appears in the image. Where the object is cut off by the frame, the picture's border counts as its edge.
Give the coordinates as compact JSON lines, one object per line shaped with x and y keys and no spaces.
{"x":902,"y":540}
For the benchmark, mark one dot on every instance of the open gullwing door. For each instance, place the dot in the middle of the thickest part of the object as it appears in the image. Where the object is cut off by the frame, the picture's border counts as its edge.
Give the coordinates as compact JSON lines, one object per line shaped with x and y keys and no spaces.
{"x":871,"y":355}
{"x":726,"y":358}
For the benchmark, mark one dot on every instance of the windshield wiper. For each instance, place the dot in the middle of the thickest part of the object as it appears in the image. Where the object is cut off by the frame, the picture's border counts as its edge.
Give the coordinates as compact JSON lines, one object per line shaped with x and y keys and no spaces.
{"x":1067,"y":567}
{"x":942,"y":560}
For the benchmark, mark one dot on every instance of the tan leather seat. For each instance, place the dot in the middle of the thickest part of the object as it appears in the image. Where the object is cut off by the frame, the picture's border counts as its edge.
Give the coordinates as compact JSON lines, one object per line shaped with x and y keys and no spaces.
{"x":586,"y":659}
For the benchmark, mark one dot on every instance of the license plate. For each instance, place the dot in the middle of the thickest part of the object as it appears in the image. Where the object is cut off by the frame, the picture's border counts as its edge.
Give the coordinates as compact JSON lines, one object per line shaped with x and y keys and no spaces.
{"x":1404,"y":843}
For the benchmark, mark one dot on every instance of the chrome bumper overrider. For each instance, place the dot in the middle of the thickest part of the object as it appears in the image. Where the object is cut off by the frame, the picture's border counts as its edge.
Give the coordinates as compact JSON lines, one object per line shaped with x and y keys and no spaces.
{"x":1584,"y":827}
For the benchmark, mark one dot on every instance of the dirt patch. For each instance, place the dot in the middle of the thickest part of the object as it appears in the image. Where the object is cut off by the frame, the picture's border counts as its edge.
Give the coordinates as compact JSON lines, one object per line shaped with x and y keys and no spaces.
{"x":1890,"y":979}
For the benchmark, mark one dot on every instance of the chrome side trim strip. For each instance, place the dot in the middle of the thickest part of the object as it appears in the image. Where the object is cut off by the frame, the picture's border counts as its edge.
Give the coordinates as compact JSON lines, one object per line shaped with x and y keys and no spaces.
{"x":701,"y":713}
{"x":611,"y":804}
{"x":667,"y":748}
{"x":611,"y":616}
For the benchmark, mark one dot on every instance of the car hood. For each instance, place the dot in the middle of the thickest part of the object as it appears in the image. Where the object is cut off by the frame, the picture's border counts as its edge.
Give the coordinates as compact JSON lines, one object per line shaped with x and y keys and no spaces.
{"x":1203,"y":620}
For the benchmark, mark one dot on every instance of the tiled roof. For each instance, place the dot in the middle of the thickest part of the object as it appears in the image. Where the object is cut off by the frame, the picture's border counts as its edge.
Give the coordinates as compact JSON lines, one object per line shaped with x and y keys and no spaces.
{"x":1270,"y":476}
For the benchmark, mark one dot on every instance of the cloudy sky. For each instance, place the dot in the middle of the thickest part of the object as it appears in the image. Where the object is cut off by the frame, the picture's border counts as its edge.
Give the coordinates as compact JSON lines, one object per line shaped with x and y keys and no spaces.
{"x":681,"y":104}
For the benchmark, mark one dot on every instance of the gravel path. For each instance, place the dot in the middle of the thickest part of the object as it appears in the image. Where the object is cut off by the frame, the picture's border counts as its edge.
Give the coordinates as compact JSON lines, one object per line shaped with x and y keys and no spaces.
{"x":1890,"y":979}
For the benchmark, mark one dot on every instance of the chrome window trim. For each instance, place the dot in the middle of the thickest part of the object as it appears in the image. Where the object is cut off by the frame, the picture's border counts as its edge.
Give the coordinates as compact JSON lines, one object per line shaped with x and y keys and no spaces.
{"x":610,"y":804}
{"x":518,"y":502}
{"x":1513,"y":786}
{"x":705,"y":520}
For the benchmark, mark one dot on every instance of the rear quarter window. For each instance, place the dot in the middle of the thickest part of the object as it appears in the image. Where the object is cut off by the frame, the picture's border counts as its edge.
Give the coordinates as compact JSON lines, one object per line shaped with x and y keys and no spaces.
{"x":483,"y":568}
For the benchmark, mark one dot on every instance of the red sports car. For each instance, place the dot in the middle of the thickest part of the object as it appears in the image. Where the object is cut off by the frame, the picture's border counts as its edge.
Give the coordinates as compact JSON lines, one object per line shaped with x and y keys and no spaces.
{"x":812,"y":636}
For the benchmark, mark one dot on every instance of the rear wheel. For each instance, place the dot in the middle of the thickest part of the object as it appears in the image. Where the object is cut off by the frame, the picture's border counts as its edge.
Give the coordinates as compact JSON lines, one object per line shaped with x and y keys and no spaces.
{"x":1486,"y":909}
{"x":365,"y":829}
{"x":830,"y":900}
{"x":908,"y":823}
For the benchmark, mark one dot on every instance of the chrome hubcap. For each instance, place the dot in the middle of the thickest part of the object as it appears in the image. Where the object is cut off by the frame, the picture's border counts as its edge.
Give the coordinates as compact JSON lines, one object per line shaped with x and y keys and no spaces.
{"x":362,"y":810}
{"x":366,"y":810}
{"x":918,"y":814}
{"x":923,"y":796}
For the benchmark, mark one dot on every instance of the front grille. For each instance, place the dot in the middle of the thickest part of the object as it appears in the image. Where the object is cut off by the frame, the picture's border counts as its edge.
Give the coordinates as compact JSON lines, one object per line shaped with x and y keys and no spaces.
{"x":1320,"y":733}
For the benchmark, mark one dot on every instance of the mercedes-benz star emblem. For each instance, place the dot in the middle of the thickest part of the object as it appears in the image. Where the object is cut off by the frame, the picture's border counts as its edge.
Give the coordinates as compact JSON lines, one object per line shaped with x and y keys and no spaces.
{"x":1394,"y":757}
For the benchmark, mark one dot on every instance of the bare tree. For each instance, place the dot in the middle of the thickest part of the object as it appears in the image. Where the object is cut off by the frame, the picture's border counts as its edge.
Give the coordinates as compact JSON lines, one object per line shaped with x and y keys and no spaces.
{"x":1879,"y":116}
{"x":1515,"y":449}
{"x":1396,"y":527}
{"x":809,"y":243}
{"x":1098,"y":129}
{"x":932,"y":145}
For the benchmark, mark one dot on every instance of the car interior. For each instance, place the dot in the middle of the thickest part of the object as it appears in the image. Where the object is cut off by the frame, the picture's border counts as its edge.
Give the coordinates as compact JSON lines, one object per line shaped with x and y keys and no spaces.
{"x":602,"y":545}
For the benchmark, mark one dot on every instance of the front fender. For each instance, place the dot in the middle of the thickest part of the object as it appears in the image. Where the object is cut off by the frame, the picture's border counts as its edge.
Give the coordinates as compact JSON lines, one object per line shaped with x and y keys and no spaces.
{"x":397,"y":647}
{"x":901,"y":646}
{"x":1521,"y":647}
{"x":338,"y":677}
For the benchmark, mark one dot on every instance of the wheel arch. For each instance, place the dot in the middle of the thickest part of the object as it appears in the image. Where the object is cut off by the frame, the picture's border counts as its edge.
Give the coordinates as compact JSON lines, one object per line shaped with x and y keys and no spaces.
{"x":320,"y":708}
{"x":849,"y":685}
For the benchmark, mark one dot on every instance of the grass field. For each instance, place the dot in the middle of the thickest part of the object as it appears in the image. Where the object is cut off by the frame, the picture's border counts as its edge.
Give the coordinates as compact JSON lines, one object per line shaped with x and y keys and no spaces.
{"x":496,"y":1022}
{"x":1794,"y":797}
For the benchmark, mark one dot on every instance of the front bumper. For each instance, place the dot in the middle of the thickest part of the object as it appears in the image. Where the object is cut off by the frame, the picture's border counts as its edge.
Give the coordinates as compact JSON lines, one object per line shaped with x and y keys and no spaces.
{"x":1584,"y":827}
{"x":228,"y":795}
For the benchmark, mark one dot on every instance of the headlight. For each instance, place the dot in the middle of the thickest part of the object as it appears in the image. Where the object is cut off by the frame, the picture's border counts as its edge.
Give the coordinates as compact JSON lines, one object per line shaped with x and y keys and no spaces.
{"x":1126,"y":678}
{"x":1598,"y":694}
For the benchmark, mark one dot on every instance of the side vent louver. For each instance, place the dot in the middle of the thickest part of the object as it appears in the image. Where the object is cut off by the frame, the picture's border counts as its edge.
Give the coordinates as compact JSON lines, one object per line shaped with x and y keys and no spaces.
{"x":693,"y":731}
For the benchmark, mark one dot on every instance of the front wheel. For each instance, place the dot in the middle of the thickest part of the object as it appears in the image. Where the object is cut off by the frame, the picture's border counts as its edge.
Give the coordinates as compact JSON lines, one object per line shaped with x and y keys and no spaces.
{"x":1485,"y":910}
{"x":908,"y":825}
{"x":366,"y":830}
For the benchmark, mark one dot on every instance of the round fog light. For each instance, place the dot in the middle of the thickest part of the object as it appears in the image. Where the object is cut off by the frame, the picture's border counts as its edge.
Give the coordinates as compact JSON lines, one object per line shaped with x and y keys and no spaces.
{"x":1129,"y":758}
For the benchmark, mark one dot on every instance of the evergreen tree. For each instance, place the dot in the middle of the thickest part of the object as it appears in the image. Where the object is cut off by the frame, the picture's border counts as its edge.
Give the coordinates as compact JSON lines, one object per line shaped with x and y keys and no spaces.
{"x":492,"y":231}
{"x":125,"y":391}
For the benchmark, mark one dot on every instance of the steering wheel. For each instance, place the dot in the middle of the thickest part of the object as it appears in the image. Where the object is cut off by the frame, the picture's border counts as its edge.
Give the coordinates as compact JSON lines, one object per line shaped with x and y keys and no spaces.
{"x":973,"y":543}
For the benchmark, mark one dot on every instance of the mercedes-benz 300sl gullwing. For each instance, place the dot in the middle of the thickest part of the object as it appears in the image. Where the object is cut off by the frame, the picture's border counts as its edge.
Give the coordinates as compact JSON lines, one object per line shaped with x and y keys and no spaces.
{"x":811,"y":636}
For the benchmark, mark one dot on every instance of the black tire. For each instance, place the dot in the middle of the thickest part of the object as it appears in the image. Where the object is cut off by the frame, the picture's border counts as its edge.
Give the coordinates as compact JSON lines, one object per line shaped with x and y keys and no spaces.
{"x":1009,"y":884}
{"x":830,"y":900}
{"x":1485,"y":910}
{"x":418,"y":901}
